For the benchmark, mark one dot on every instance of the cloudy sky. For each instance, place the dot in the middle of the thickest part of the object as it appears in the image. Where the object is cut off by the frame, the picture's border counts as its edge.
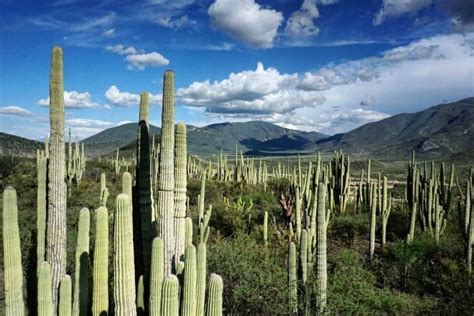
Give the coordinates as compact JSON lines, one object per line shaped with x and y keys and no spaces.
{"x":324,"y":65}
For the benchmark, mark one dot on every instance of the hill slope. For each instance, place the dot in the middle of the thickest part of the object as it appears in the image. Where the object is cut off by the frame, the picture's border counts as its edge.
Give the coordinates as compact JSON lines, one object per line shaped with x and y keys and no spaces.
{"x":437,"y":131}
{"x":18,"y":146}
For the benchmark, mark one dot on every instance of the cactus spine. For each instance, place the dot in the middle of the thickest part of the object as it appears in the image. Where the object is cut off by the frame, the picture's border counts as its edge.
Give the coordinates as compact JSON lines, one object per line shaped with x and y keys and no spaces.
{"x":321,"y":257}
{"x":124,"y":268}
{"x":201,"y":278}
{"x":165,"y":199}
{"x":214,"y":303}
{"x":156,"y":276}
{"x":65,"y":291}
{"x":100,"y":293}
{"x":45,"y":300}
{"x":169,"y":298}
{"x":189,"y":288}
{"x":180,"y":190}
{"x":57,"y":190}
{"x":81,"y":284}
{"x":12,"y":255}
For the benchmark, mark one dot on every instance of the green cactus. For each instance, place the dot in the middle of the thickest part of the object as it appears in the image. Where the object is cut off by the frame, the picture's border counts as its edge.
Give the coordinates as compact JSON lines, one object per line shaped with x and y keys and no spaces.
{"x":104,"y":192}
{"x":45,"y":300}
{"x":41,"y":164}
{"x":156,"y":276}
{"x":165,"y":197}
{"x":292,"y":278}
{"x":214,"y":302}
{"x":180,"y":190}
{"x":140,"y":296}
{"x":56,"y":233}
{"x":14,"y":304}
{"x":124,"y":268}
{"x":65,"y":292}
{"x":265,"y":228}
{"x":188,"y":231}
{"x":373,"y":222}
{"x":169,"y":297}
{"x":201,"y":278}
{"x":100,"y":292}
{"x":189,"y":288}
{"x":386,"y":208}
{"x":304,"y":255}
{"x":321,"y":256}
{"x":81,"y":284}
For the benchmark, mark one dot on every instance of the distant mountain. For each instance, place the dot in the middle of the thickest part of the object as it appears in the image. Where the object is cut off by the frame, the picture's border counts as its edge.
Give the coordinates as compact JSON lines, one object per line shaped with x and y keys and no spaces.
{"x":18,"y":146}
{"x":438,"y":131}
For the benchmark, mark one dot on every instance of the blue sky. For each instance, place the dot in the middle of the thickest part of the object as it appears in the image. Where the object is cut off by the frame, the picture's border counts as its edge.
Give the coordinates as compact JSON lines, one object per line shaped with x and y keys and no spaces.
{"x":325,"y":65}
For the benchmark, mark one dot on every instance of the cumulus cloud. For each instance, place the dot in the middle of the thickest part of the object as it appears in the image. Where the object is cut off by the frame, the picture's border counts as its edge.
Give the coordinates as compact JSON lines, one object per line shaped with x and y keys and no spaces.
{"x":14,"y":110}
{"x":127,"y":99}
{"x":76,"y":100}
{"x":396,"y":8}
{"x":139,"y":59}
{"x":246,"y":21}
{"x":301,"y":22}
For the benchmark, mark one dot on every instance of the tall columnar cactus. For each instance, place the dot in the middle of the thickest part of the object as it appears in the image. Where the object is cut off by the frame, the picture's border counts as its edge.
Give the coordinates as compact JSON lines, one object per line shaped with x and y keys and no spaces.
{"x":81,"y":283}
{"x":180,"y":189}
{"x":41,"y":165}
{"x":265,"y":228}
{"x":65,"y":296}
{"x":100,"y":292}
{"x":188,"y":231}
{"x":124,"y":268}
{"x":214,"y":302}
{"x":14,"y":304}
{"x":156,"y":276}
{"x":470,"y":239}
{"x":386,"y":208}
{"x":304,"y":255}
{"x":373,"y":222}
{"x":104,"y":192}
{"x":321,"y":257}
{"x":57,"y":190}
{"x":170,"y":296}
{"x":140,"y":296}
{"x":165,"y":199}
{"x":292,"y":278}
{"x":190,"y":277}
{"x":201,"y":278}
{"x":412,"y":195}
{"x":45,"y":299}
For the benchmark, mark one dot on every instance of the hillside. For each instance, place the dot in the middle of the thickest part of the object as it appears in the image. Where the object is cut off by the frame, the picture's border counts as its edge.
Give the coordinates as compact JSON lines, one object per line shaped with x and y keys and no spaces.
{"x":18,"y":146}
{"x":438,"y":131}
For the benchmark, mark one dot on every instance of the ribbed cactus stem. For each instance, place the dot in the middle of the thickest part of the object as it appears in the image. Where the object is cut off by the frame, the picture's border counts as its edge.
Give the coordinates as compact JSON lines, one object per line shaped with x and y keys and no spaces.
{"x":214,"y":302}
{"x":180,"y":189}
{"x":292,"y":278}
{"x":304,"y":255}
{"x":140,"y":296}
{"x":56,"y":234}
{"x":170,"y":296}
{"x":81,"y":284}
{"x":165,"y":199}
{"x":104,"y":192}
{"x":124,"y":268}
{"x":188,"y":231}
{"x":265,"y":228}
{"x":156,"y":276}
{"x":65,"y":296}
{"x":45,"y":300}
{"x":14,"y":304}
{"x":190,"y":277}
{"x":41,"y":164}
{"x":100,"y":292}
{"x":321,"y":256}
{"x":386,"y":208}
{"x":201,"y":278}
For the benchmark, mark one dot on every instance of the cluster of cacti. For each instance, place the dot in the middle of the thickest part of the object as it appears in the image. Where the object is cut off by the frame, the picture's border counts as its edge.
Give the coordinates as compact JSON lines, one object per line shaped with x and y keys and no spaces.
{"x":466,"y":219}
{"x":104,"y":191}
{"x":76,"y":162}
{"x":339,"y":180}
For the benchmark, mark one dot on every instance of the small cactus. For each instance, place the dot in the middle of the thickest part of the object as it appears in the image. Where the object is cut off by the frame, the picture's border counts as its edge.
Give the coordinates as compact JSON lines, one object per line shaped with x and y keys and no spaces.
{"x":81,"y":284}
{"x":45,"y":300}
{"x":169,"y":296}
{"x":214,"y":302}
{"x":65,"y":293}
{"x":189,"y":288}
{"x":100,"y":292}
{"x":156,"y":276}
{"x":201,"y":278}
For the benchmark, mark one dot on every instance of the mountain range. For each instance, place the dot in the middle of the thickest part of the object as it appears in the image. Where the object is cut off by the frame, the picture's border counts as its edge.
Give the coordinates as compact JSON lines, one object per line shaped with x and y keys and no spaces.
{"x":439,"y":131}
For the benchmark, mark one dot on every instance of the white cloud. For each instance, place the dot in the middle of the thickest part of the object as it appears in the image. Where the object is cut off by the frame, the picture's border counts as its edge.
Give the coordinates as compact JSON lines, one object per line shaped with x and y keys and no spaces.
{"x":109,"y":33}
{"x":122,"y":50}
{"x":76,"y":100}
{"x":246,"y":21}
{"x":141,"y":61}
{"x":396,"y":8}
{"x":126,"y":99}
{"x":15,"y":110}
{"x":80,"y":122}
{"x":301,"y":22}
{"x":175,"y":23}
{"x":93,"y":23}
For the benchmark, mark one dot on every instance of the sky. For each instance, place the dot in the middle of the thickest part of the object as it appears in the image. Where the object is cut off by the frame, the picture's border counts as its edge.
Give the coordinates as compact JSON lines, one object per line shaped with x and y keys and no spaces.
{"x":315,"y":65}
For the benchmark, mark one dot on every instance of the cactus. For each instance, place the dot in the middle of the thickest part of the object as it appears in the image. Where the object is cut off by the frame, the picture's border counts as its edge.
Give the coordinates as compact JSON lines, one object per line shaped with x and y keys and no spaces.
{"x":41,"y":164}
{"x":470,"y":239}
{"x":100,"y":293}
{"x":169,"y":297}
{"x":304,"y":255}
{"x":140,"y":296}
{"x":57,"y":191}
{"x":156,"y":276}
{"x":188,"y":231}
{"x":45,"y":300}
{"x":214,"y":302}
{"x":189,"y":287}
{"x":104,"y":192}
{"x":81,"y":284}
{"x":386,"y":208}
{"x":65,"y":291}
{"x":201,"y":278}
{"x":14,"y":304}
{"x":180,"y":190}
{"x":373,"y":219}
{"x":321,"y":257}
{"x":265,"y":228}
{"x":124,"y":268}
{"x":412,"y":196}
{"x":165,"y":199}
{"x":292,"y":278}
